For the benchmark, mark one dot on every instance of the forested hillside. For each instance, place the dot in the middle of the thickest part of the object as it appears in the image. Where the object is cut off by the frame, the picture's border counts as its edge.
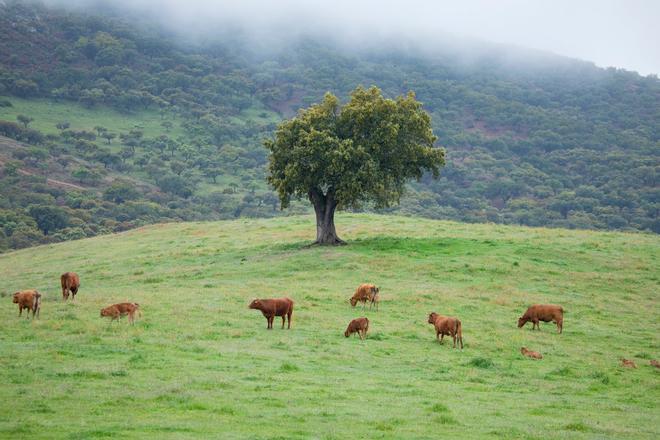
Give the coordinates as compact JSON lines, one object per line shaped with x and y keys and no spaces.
{"x":145,"y":126}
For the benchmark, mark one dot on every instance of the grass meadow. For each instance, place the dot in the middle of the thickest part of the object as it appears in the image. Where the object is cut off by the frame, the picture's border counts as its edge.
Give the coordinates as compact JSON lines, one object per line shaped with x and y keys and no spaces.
{"x":200,"y":364}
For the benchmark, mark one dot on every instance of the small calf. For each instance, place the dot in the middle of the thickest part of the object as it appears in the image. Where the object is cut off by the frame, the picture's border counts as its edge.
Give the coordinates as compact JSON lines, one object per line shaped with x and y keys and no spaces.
{"x":627,"y":363}
{"x":116,"y":311}
{"x":271,"y":308}
{"x":30,"y":300}
{"x":530,"y":353}
{"x":447,"y":325}
{"x":359,"y":326}
{"x":545,"y":313}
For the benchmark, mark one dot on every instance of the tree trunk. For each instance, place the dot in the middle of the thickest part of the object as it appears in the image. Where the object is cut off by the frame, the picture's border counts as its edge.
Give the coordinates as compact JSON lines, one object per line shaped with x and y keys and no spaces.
{"x":325,"y":206}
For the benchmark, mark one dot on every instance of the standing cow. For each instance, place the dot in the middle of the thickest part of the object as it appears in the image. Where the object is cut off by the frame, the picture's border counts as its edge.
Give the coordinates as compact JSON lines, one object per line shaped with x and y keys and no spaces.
{"x":274,"y":307}
{"x":447,"y":325}
{"x":70,"y":283}
{"x":30,"y":300}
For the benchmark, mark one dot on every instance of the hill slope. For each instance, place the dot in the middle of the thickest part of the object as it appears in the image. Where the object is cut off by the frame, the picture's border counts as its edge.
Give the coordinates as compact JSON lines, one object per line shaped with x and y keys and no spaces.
{"x":531,"y":138}
{"x":200,"y":364}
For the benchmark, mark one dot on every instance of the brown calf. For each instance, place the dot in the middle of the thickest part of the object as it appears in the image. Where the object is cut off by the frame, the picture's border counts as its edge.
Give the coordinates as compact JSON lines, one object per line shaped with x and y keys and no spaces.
{"x":274,"y":307}
{"x":545,"y":313}
{"x":447,"y":325}
{"x":364,"y":293}
{"x":30,"y":300}
{"x":116,"y":311}
{"x":530,"y":353}
{"x":359,"y":326}
{"x":627,"y":363}
{"x":70,"y":283}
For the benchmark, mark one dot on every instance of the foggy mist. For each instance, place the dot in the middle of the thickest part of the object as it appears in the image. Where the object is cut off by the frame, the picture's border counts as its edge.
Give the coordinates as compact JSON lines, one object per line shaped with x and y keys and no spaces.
{"x":619,"y":33}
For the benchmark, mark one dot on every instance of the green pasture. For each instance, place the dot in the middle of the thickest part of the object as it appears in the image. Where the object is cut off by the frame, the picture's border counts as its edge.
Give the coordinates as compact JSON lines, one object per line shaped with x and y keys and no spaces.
{"x":200,"y":364}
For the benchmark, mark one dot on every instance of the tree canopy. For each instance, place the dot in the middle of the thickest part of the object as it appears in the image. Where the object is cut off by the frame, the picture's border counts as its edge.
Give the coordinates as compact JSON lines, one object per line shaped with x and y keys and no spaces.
{"x":342,"y":157}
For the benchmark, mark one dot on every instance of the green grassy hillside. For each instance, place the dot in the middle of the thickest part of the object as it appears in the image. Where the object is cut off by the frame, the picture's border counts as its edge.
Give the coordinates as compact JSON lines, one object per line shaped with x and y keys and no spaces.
{"x":48,"y":113}
{"x":199,"y":364}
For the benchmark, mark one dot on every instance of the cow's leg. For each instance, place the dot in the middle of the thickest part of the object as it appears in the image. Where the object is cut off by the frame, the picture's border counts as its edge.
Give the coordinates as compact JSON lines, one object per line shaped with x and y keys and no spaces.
{"x":283,"y":321}
{"x":360,"y":334}
{"x":442,"y":336}
{"x":560,"y":325}
{"x":454,"y":338}
{"x":288,"y":316}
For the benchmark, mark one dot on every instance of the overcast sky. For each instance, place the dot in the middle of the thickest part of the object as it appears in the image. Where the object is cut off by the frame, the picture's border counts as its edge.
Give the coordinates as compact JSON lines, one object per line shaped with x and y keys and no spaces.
{"x":620,"y":33}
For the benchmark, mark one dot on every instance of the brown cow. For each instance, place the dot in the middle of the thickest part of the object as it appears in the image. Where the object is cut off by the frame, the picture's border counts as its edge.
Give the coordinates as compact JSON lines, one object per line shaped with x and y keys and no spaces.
{"x":70,"y":283}
{"x":447,"y":325}
{"x":364,"y":293}
{"x":116,"y":311}
{"x":545,"y":313}
{"x":654,"y":363}
{"x":30,"y":300}
{"x":274,"y":307}
{"x":359,"y":326}
{"x":627,"y":363}
{"x":530,"y":353}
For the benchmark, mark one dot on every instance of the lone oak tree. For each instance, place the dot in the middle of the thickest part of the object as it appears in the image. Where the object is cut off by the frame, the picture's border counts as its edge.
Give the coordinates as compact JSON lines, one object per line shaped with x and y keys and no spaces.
{"x":340,"y":157}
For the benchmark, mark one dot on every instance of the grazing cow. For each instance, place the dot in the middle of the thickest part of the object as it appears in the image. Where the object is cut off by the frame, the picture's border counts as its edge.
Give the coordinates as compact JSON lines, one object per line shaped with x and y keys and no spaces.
{"x":627,"y":363}
{"x":654,"y":363}
{"x":30,"y":300}
{"x":274,"y":307}
{"x":359,"y":326}
{"x":545,"y":313}
{"x":70,"y":283}
{"x":530,"y":353}
{"x":116,"y":311}
{"x":446,"y":325}
{"x":364,"y":293}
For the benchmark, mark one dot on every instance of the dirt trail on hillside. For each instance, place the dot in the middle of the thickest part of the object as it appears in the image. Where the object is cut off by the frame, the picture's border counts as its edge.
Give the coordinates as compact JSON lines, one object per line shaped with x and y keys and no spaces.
{"x":54,"y":182}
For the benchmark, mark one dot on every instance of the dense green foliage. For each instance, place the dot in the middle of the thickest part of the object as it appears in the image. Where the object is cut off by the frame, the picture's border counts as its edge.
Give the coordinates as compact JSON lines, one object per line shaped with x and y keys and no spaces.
{"x":200,"y":364}
{"x":343,"y":157}
{"x":531,"y":139}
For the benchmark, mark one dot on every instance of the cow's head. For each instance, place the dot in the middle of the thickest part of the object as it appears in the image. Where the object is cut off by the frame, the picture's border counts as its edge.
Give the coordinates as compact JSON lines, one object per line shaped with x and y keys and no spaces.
{"x":255,"y":304}
{"x":522,"y":321}
{"x":353,"y":301}
{"x":16,"y":297}
{"x":347,"y":333}
{"x":432,"y":317}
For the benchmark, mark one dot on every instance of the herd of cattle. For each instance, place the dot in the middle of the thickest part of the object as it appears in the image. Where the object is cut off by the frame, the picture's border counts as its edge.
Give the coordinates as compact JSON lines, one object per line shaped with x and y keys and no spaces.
{"x":283,"y":307}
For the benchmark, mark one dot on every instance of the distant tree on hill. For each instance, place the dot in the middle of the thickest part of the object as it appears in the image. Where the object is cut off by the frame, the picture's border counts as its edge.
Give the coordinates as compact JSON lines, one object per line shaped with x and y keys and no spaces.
{"x":25,"y":120}
{"x":340,"y":157}
{"x":108,"y":136}
{"x":49,"y":218}
{"x":120,"y":192}
{"x":84,"y":175}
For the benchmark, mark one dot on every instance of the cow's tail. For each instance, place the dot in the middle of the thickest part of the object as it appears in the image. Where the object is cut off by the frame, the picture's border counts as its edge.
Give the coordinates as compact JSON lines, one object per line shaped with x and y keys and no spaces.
{"x":36,"y":303}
